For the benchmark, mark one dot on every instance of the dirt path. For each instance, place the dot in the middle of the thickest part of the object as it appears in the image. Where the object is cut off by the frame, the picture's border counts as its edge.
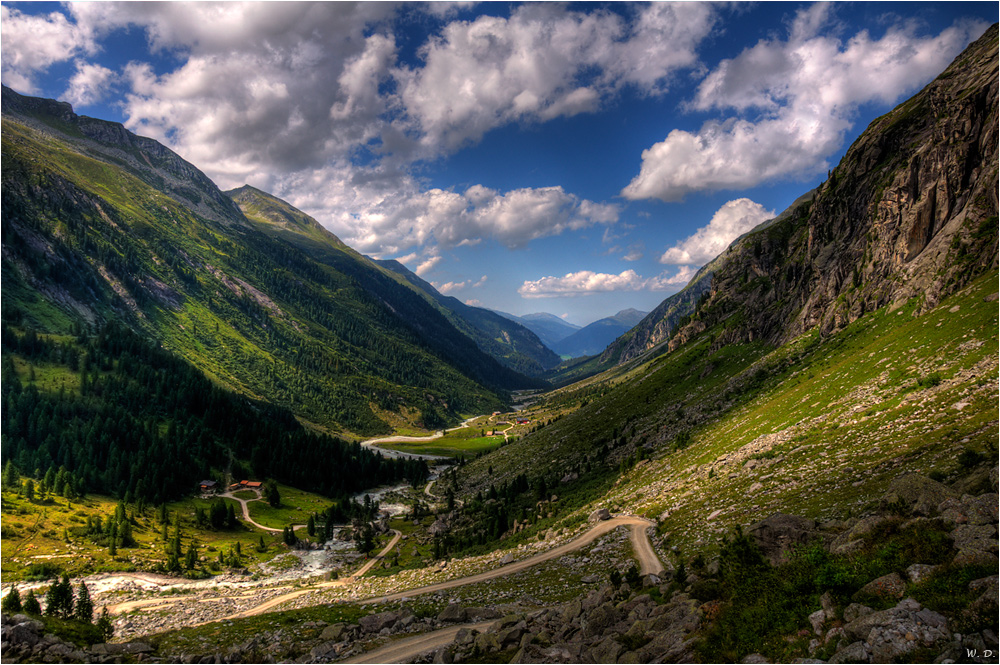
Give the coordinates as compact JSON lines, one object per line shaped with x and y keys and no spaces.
{"x":649,"y":563}
{"x":404,"y":651}
{"x":598,"y":530}
{"x":246,"y":513}
{"x":373,"y":443}
{"x":278,"y":600}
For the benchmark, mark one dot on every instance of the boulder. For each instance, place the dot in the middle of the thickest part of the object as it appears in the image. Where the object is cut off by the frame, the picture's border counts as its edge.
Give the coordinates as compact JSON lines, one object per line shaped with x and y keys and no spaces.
{"x":986,"y":590}
{"x":852,"y":653}
{"x":600,"y":514}
{"x":454,"y":613}
{"x":602,"y":618}
{"x":606,"y":651}
{"x":975,"y":537}
{"x":887,"y":586}
{"x":481,"y":614}
{"x":375,"y":623}
{"x":487,"y":642}
{"x":917,"y":493}
{"x":816,"y":620}
{"x":779,"y":533}
{"x":856,"y":611}
{"x":512,"y":635}
{"x":335,"y":632}
{"x":891,"y":634}
{"x":974,"y":510}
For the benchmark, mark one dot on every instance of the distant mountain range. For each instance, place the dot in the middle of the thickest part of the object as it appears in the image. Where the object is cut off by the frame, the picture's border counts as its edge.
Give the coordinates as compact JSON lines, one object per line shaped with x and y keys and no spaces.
{"x":550,"y":328}
{"x":594,"y":338}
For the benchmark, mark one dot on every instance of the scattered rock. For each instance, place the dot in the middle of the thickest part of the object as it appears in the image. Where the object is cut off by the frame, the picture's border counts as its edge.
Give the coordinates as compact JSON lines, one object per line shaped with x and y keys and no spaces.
{"x":887,"y":586}
{"x":454,"y":613}
{"x":918,"y":493}
{"x":600,"y":514}
{"x":919,"y":572}
{"x":779,"y":533}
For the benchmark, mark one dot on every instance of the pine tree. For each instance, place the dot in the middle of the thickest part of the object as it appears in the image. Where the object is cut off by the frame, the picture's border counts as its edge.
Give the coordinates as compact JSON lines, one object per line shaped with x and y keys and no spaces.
{"x":311,"y":526}
{"x":104,"y":624}
{"x":59,"y":599}
{"x":84,"y":605}
{"x":29,"y":489}
{"x":31,"y":605}
{"x":12,"y":601}
{"x":11,"y":477}
{"x":192,"y":556}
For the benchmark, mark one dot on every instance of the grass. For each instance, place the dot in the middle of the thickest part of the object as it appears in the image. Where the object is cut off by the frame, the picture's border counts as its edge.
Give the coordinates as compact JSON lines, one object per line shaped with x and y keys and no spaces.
{"x":34,"y":533}
{"x":463,"y":442}
{"x":765,"y":605}
{"x":845,"y":415}
{"x":296,"y":506}
{"x":403,"y":556}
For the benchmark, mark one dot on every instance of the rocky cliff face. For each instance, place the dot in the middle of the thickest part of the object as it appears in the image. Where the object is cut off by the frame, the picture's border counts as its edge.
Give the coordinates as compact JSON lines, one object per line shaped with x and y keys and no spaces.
{"x":154,"y":163}
{"x":910,"y":211}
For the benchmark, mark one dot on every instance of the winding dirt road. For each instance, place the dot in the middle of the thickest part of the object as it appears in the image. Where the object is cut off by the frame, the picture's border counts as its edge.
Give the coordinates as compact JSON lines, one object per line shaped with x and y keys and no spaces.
{"x":405,"y":651}
{"x":409,"y":648}
{"x":637,"y":534}
{"x":388,"y":452}
{"x":278,"y":600}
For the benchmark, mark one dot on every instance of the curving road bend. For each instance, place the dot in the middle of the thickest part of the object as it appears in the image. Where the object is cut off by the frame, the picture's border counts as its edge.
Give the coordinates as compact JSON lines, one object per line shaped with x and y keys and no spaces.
{"x":278,"y":600}
{"x":637,"y":534}
{"x":403,"y":651}
{"x":649,"y":563}
{"x":406,"y":650}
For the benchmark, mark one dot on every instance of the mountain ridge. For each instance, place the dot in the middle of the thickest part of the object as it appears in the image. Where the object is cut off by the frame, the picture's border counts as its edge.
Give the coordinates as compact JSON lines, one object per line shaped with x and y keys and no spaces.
{"x":89,"y":237}
{"x":593,"y":338}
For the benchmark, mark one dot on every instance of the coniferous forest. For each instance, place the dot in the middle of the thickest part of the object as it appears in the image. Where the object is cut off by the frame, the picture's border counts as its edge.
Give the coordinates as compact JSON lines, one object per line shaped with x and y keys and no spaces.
{"x":140,"y":422}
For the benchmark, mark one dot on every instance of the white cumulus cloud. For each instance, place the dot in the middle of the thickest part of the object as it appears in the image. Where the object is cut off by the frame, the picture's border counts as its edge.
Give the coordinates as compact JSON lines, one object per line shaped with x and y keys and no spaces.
{"x":790,"y":104}
{"x":540,"y":63}
{"x":31,"y":44}
{"x":90,"y":84}
{"x":729,"y":222}
{"x":586,"y":282}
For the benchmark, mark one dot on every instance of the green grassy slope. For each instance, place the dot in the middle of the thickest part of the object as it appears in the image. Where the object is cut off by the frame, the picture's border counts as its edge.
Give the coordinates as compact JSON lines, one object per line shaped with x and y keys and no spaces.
{"x":88,"y":239}
{"x":510,"y":344}
{"x":852,"y":328}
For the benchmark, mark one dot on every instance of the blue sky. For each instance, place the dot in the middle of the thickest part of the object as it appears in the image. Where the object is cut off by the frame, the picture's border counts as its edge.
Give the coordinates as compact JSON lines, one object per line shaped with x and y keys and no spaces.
{"x":572,"y":158}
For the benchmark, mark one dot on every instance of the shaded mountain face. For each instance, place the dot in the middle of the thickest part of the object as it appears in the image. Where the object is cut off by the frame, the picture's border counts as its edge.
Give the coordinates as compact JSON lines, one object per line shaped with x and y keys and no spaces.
{"x":872,"y":234}
{"x":100,"y":225}
{"x":841,"y":346}
{"x":656,"y":327}
{"x":548,"y":327}
{"x":911,"y":210}
{"x":594,"y":338}
{"x":513,"y":345}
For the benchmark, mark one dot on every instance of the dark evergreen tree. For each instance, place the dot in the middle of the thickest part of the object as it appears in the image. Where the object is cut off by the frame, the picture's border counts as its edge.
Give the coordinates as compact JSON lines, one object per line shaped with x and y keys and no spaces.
{"x":59,"y":599}
{"x":31,"y":604}
{"x":12,"y":601}
{"x":84,"y":605}
{"x":105,"y":625}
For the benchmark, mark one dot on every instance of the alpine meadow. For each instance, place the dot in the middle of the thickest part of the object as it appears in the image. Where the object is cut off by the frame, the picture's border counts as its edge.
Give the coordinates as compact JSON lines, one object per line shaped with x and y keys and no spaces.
{"x":293,"y":421}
